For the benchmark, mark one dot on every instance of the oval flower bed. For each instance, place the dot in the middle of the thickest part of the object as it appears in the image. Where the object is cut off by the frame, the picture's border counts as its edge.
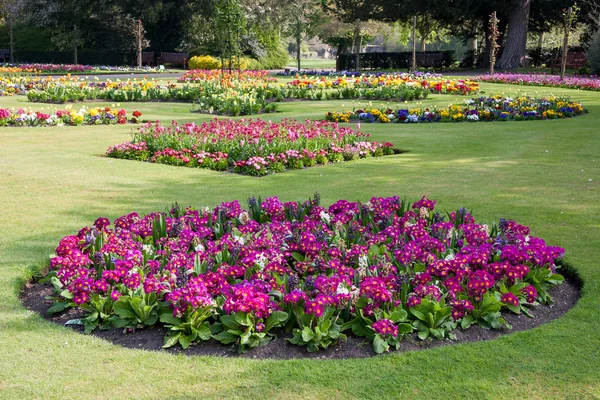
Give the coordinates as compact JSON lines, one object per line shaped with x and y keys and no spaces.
{"x":568,"y":82}
{"x":381,"y":270}
{"x":495,"y":108}
{"x":249,"y":147}
{"x":91,"y":116}
{"x":436,"y":85}
{"x":203,"y":75}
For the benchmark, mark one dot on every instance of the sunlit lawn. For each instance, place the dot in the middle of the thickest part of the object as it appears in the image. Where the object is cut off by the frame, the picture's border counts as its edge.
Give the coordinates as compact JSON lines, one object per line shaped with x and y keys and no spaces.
{"x":544,"y":174}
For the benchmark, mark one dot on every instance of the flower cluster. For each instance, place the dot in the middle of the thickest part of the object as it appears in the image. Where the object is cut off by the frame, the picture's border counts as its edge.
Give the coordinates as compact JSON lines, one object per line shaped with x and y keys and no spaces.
{"x":251,"y":147}
{"x":85,"y":116}
{"x":225,"y":77}
{"x":433,"y":84}
{"x":492,"y":108}
{"x":382,"y":260}
{"x":68,"y":68}
{"x":569,"y":82}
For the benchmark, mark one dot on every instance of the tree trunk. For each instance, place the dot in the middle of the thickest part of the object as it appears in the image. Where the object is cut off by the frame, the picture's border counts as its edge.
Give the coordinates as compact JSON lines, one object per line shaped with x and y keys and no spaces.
{"x":139,"y":43}
{"x":515,"y":46}
{"x":423,"y":44}
{"x":75,"y":40}
{"x":11,"y":39}
{"x":565,"y":48}
{"x":486,"y":51}
{"x":298,"y":41}
{"x":413,"y":64}
{"x":356,"y":41}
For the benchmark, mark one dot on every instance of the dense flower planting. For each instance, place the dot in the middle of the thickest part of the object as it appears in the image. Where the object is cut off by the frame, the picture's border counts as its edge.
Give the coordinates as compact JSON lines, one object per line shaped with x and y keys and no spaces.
{"x":249,"y":147}
{"x":68,"y":68}
{"x":85,"y":116}
{"x":570,"y":82}
{"x":381,"y":270}
{"x":203,"y":75}
{"x":383,"y":86}
{"x":245,"y":93}
{"x":494,"y":108}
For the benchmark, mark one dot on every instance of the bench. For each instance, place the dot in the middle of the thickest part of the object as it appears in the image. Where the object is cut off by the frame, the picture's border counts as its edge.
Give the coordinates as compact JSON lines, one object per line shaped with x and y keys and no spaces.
{"x":147,"y":58}
{"x":5,"y":55}
{"x":575,"y":60}
{"x":429,"y":60}
{"x":173,"y":58}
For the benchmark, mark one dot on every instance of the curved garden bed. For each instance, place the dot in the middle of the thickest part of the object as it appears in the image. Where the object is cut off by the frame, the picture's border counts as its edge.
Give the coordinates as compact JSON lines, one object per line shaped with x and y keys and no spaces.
{"x":398,"y":276}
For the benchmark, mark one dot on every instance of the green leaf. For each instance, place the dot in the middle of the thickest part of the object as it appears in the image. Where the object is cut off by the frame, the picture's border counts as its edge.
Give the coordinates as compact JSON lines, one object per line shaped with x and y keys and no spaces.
{"x":184,"y":341}
{"x":405,"y":328}
{"x":225,"y":337}
{"x":424,"y":334}
{"x":380,"y":345}
{"x":276,"y":319}
{"x":66,"y":294}
{"x":298,"y":257}
{"x":123,"y":310}
{"x":229,"y":321}
{"x":307,"y":334}
{"x":58,"y":307}
{"x":171,"y":341}
{"x":168,"y":318}
{"x":204,"y":331}
{"x":418,"y":314}
{"x":513,"y":308}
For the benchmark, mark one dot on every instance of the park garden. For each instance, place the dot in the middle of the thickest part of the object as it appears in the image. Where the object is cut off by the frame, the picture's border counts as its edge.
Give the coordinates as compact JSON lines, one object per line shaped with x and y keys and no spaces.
{"x":236,"y":228}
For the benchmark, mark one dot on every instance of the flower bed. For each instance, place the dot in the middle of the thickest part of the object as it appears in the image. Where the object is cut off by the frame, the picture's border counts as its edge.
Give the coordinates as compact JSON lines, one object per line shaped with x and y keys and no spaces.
{"x":380,"y":270}
{"x":569,"y":82}
{"x":85,"y":116}
{"x":495,"y":108}
{"x":69,"y":68}
{"x":204,"y":75}
{"x":383,"y":86}
{"x":249,"y":147}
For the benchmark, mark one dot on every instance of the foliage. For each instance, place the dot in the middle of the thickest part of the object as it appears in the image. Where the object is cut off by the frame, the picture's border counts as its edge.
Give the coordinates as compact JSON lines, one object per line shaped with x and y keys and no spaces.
{"x":204,"y":62}
{"x":594,"y":55}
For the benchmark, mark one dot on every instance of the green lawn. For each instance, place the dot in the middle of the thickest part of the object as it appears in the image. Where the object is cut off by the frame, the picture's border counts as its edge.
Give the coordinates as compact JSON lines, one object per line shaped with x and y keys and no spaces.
{"x":310,"y":63}
{"x":545,"y":174}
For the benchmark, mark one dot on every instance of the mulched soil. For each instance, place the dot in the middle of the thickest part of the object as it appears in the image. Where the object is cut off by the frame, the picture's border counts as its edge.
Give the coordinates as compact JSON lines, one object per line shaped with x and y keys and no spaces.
{"x":565,"y":296}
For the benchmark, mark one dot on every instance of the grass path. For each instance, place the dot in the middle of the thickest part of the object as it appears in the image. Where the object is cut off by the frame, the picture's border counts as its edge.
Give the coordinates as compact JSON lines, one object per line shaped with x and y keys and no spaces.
{"x":544,"y":174}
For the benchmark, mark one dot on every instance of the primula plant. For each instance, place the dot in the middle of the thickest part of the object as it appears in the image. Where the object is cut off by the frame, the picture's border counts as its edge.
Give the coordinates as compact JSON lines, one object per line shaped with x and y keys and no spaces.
{"x":381,"y":270}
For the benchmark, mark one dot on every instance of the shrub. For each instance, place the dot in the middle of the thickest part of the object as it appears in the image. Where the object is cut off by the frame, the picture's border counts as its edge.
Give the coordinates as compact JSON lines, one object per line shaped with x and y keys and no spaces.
{"x":204,"y":62}
{"x":594,"y":54}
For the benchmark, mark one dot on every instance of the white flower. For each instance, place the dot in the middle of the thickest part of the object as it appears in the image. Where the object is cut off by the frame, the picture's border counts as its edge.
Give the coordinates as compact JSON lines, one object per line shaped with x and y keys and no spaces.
{"x":148,"y":249}
{"x":363,"y":262}
{"x":342,"y":289}
{"x":449,"y":257}
{"x":261,"y":261}
{"x":199,"y":248}
{"x":325,"y":217}
{"x":238,"y":239}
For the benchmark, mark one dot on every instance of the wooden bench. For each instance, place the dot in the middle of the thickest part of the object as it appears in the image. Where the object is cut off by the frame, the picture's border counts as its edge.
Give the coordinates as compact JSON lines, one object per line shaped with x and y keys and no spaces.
{"x":429,"y":60}
{"x":575,"y":60}
{"x":147,"y":58}
{"x":5,"y":55}
{"x":173,"y":58}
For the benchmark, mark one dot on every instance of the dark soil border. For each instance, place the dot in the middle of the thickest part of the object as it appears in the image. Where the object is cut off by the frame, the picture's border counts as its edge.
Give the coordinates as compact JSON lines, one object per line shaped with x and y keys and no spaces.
{"x":565,"y":297}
